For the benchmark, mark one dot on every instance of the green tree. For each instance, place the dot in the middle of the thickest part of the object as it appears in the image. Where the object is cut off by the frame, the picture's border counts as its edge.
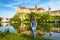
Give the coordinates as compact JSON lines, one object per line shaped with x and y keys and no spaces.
{"x":0,"y":19}
{"x":27,"y":20}
{"x":16,"y":18}
{"x":43,"y":17}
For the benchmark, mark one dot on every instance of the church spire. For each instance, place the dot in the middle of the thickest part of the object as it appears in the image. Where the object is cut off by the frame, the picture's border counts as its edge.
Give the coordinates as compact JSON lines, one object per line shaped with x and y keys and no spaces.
{"x":49,"y":9}
{"x":35,"y":5}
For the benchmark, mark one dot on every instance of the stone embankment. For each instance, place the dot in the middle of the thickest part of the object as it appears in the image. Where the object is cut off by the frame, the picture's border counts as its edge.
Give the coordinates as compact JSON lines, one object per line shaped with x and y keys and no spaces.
{"x":38,"y":33}
{"x":55,"y":30}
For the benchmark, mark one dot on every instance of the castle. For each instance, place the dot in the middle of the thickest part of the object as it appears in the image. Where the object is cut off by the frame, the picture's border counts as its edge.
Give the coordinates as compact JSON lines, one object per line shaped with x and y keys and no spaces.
{"x":28,"y":10}
{"x":23,"y":10}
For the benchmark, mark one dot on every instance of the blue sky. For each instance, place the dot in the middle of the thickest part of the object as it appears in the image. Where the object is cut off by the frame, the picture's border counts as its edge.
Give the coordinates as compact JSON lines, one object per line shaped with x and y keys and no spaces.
{"x":8,"y":8}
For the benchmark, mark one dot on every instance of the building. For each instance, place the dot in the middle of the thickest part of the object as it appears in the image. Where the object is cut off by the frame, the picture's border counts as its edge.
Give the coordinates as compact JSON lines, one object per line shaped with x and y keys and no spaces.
{"x":28,"y":10}
{"x":23,"y":10}
{"x":4,"y":20}
{"x":55,"y":13}
{"x":4,"y":24}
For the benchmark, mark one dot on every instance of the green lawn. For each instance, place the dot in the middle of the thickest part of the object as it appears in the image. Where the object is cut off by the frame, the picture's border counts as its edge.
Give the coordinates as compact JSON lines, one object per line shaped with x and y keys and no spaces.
{"x":19,"y":36}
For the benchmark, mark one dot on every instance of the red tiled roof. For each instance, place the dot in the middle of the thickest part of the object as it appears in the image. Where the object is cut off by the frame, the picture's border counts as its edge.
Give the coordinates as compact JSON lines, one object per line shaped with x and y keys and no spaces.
{"x":56,"y":11}
{"x":33,"y":8}
{"x":36,"y":9}
{"x":23,"y":7}
{"x":40,"y":9}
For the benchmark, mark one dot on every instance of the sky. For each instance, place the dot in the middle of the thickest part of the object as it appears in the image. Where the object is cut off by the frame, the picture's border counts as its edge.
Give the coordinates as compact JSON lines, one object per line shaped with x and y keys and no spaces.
{"x":8,"y":8}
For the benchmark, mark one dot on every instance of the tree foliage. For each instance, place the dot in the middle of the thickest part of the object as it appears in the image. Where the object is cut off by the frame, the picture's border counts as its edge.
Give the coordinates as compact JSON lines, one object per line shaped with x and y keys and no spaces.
{"x":16,"y":18}
{"x":0,"y":18}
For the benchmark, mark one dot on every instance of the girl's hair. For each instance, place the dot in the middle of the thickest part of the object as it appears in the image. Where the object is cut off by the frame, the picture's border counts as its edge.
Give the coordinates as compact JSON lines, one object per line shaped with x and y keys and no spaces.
{"x":32,"y":18}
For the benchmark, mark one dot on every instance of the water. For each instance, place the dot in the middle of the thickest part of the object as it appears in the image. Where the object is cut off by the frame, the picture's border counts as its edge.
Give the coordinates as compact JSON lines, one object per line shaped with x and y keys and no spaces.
{"x":6,"y":26}
{"x":54,"y":36}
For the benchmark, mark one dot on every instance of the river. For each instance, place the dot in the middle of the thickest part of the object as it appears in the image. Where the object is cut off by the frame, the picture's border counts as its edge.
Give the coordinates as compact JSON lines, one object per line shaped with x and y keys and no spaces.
{"x":5,"y":26}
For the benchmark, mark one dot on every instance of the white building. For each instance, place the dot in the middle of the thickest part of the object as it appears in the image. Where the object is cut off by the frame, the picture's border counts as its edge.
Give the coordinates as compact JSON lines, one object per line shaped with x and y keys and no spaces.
{"x":5,"y":20}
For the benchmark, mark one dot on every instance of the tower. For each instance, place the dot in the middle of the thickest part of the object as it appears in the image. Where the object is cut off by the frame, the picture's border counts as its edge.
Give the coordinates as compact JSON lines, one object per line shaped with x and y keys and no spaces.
{"x":35,"y":7}
{"x":49,"y":9}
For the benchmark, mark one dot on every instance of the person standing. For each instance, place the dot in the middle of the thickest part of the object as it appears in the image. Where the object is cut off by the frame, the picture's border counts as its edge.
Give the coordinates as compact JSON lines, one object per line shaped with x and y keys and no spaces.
{"x":33,"y":26}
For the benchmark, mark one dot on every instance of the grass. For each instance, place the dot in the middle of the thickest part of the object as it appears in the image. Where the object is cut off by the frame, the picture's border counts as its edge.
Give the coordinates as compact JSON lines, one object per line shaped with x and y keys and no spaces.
{"x":18,"y":36}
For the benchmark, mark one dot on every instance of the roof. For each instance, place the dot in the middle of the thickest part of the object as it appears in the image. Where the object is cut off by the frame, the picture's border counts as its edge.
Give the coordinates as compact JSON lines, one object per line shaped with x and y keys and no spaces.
{"x":23,"y":7}
{"x":40,"y":9}
{"x":37,"y":9}
{"x":32,"y":8}
{"x":56,"y":11}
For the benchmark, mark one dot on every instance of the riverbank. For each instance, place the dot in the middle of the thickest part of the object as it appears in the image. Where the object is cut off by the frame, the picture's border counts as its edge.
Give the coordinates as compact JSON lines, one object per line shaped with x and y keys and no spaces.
{"x":38,"y":32}
{"x":20,"y":36}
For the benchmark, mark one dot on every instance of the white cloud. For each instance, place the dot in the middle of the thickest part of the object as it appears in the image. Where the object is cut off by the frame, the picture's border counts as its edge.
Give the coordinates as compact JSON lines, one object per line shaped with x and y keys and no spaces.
{"x":53,"y":4}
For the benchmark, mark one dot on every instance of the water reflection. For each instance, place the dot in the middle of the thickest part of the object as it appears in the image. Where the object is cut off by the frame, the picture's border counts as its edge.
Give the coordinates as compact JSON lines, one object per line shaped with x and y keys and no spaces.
{"x":0,"y":24}
{"x":16,"y":26}
{"x":50,"y":33}
{"x":42,"y":26}
{"x":19,"y":27}
{"x":54,"y":36}
{"x":6,"y":26}
{"x":47,"y":27}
